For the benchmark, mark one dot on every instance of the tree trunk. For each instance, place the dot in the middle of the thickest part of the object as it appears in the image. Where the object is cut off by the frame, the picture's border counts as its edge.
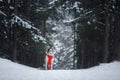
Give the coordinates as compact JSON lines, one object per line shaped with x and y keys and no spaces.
{"x":82,"y":55}
{"x":75,"y":56}
{"x":14,"y":44}
{"x":14,"y":35}
{"x":106,"y":45}
{"x":116,"y":55}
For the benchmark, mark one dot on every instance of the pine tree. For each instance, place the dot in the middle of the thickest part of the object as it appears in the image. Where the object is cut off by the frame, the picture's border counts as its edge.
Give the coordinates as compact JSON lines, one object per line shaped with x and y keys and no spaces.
{"x":25,"y":43}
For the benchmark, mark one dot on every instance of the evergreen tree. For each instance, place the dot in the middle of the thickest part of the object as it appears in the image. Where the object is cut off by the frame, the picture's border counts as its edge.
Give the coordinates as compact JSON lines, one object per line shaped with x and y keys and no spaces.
{"x":22,"y":42}
{"x":96,"y":31}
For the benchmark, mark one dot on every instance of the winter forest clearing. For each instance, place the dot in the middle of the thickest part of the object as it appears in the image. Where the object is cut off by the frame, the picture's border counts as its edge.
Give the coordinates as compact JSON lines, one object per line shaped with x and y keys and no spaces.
{"x":14,"y":71}
{"x":68,"y":36}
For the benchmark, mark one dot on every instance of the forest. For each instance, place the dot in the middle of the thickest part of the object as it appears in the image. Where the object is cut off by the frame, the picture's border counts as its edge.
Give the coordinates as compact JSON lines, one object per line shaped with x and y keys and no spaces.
{"x":84,"y":33}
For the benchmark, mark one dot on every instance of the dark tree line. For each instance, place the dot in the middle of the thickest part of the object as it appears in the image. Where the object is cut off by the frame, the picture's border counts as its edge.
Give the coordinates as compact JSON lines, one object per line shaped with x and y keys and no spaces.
{"x":97,"y":33}
{"x":19,"y":25}
{"x":96,"y":30}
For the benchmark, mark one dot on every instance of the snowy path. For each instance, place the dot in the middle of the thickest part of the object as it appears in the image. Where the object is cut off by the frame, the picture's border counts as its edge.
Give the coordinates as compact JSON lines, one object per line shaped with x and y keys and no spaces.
{"x":13,"y":71}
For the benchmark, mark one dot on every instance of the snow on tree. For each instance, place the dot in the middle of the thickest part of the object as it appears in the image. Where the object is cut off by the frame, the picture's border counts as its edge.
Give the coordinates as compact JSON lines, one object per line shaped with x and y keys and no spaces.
{"x":62,"y":38}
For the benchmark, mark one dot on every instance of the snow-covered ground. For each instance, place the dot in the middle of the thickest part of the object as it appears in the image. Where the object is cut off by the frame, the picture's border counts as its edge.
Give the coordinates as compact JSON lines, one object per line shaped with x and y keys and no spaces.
{"x":14,"y":71}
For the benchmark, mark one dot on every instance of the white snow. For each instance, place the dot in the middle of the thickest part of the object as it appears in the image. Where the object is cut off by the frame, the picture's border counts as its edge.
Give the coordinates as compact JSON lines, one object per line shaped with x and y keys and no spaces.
{"x":88,"y":12}
{"x":8,"y":1}
{"x":89,"y":22}
{"x":76,"y":6}
{"x":2,"y":13}
{"x":52,"y":2}
{"x":72,"y":20}
{"x":14,"y":71}
{"x":11,"y":7}
{"x":20,"y":21}
{"x":63,"y":38}
{"x":25,"y":24}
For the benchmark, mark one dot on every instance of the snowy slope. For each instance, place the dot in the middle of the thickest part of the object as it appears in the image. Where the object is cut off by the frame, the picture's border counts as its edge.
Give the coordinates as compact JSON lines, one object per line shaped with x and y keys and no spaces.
{"x":14,"y":71}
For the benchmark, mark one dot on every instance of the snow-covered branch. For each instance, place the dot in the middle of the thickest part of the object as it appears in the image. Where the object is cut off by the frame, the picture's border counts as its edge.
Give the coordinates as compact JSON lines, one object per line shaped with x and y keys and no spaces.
{"x":72,"y":20}
{"x":25,"y":24}
{"x":2,"y":13}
